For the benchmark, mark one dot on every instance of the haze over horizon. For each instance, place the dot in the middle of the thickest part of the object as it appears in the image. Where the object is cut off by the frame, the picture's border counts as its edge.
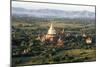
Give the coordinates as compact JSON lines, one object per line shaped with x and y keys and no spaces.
{"x":32,"y":5}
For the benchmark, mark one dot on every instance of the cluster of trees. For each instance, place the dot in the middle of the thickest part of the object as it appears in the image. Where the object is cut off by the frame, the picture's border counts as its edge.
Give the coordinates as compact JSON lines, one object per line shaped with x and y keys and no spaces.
{"x":66,"y":20}
{"x":24,"y":42}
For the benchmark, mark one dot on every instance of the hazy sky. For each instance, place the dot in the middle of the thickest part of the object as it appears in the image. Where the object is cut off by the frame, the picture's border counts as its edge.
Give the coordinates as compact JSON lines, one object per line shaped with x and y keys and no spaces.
{"x":32,"y":5}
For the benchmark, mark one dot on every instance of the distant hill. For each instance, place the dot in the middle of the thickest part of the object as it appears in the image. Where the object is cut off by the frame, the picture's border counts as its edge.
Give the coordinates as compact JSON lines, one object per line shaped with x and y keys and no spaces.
{"x":51,"y":13}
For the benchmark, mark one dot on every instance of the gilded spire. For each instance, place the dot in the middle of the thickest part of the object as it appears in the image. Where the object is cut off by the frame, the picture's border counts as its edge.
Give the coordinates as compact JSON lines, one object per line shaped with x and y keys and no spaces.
{"x":51,"y":30}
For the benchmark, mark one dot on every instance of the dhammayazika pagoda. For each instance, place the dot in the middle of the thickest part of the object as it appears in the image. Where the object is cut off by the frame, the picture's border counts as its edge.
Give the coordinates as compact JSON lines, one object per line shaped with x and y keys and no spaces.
{"x":52,"y":38}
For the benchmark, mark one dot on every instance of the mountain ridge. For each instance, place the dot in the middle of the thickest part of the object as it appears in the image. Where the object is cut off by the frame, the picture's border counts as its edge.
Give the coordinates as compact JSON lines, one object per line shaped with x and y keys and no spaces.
{"x":51,"y":13}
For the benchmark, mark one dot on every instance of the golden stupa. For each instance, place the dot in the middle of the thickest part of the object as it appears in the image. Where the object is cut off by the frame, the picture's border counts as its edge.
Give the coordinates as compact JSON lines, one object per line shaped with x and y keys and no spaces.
{"x":51,"y":34}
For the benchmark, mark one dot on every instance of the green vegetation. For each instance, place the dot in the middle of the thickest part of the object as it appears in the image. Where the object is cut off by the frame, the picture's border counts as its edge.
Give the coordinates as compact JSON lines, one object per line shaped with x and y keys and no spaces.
{"x":27,"y":49}
{"x":74,"y":55}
